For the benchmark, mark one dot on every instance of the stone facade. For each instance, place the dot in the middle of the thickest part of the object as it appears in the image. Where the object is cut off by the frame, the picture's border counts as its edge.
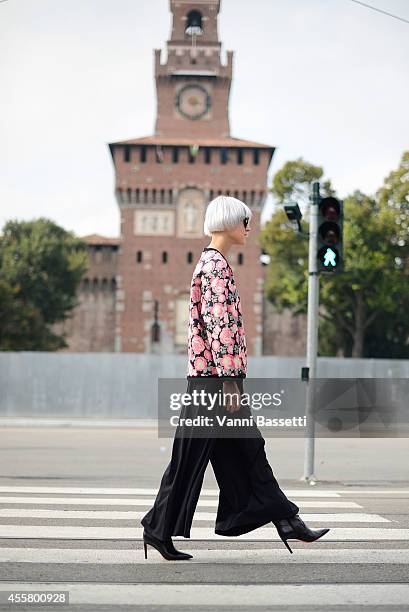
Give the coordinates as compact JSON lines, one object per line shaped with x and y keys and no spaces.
{"x":283,"y":334}
{"x":163,"y":183}
{"x":92,"y":325}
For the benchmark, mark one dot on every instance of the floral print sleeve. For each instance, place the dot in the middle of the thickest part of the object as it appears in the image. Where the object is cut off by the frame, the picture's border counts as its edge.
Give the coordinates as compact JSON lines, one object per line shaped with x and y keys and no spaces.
{"x":216,"y":345}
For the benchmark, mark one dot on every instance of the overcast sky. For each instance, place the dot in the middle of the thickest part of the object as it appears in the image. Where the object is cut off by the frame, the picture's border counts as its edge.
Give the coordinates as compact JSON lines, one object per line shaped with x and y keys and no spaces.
{"x":323,"y":79}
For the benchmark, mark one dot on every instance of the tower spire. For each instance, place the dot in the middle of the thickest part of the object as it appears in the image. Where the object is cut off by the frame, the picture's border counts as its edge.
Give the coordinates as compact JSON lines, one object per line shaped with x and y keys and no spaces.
{"x":193,"y":84}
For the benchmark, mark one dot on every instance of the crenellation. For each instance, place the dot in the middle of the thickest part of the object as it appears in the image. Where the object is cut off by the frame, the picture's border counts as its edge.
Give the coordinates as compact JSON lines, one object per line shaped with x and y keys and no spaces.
{"x":163,"y":183}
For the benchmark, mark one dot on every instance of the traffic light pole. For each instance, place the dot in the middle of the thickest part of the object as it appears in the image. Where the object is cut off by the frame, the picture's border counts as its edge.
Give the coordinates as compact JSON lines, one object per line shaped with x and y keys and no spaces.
{"x":312,"y":335}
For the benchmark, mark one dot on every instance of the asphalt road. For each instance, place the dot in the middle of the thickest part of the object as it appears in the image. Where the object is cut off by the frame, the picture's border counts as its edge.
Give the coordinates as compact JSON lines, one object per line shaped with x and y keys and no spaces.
{"x":71,"y":500}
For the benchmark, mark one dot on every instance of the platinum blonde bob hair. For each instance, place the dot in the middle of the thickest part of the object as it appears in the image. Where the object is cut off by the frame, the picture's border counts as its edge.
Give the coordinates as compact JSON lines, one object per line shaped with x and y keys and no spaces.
{"x":224,"y":212}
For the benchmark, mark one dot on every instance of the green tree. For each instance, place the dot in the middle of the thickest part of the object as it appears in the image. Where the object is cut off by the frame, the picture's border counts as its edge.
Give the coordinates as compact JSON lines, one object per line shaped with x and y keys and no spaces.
{"x":293,"y":181}
{"x":374,"y":280}
{"x":394,"y":194}
{"x":372,"y":290}
{"x":388,"y":338}
{"x":41,"y":265}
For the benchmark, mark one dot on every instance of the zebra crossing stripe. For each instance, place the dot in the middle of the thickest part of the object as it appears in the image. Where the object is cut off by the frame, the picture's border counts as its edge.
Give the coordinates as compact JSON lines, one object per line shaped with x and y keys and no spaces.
{"x":351,"y":517}
{"x":65,"y":532}
{"x":142,"y":491}
{"x":135,"y":555}
{"x":95,"y":501}
{"x":246,"y":595}
{"x":310,"y":492}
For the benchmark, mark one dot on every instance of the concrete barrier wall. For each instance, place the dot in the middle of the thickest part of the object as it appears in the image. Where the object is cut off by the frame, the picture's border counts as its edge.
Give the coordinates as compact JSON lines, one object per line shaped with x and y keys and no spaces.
{"x":124,"y":385}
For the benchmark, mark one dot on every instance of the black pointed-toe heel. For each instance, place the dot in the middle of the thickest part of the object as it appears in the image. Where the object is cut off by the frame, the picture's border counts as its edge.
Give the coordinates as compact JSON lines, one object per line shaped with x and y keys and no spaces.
{"x":165,"y":547}
{"x":294,"y":528}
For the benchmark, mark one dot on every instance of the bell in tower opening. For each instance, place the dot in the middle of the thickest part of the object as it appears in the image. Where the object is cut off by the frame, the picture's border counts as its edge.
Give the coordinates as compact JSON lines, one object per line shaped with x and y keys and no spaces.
{"x":194,"y":24}
{"x":163,"y":198}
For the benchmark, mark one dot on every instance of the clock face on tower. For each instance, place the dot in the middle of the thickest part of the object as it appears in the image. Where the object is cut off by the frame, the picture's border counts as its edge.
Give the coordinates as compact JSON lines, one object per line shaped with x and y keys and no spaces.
{"x":193,"y":101}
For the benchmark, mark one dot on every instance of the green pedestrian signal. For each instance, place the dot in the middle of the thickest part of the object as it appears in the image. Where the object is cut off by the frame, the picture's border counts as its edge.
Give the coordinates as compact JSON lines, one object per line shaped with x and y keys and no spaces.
{"x":330,"y":235}
{"x":330,"y":258}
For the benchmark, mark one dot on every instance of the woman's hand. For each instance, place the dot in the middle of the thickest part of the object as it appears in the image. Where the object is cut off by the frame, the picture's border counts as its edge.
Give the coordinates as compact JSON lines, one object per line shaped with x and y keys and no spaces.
{"x":232,"y":402}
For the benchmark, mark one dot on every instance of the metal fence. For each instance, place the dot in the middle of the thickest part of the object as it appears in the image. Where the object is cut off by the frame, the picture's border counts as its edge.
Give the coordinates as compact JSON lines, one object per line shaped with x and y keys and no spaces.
{"x":124,"y":385}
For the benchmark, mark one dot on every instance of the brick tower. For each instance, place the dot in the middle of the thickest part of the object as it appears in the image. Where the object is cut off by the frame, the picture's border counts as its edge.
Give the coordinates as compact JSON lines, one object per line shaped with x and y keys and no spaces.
{"x":165,"y":181}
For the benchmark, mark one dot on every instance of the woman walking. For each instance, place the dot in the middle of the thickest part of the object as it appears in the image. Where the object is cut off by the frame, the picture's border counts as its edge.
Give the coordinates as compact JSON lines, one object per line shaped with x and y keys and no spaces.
{"x":249,"y":494}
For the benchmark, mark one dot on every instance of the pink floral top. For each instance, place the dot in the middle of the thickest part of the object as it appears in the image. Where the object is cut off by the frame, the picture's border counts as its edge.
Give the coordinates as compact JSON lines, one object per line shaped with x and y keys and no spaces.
{"x":216,"y":338}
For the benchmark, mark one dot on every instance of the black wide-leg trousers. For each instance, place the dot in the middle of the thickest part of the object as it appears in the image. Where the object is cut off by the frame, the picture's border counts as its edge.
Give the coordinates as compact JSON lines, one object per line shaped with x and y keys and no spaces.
{"x":249,"y":494}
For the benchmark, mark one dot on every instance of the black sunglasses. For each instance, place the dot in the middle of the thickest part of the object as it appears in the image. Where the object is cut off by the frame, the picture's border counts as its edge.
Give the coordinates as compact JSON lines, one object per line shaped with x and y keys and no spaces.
{"x":246,"y":221}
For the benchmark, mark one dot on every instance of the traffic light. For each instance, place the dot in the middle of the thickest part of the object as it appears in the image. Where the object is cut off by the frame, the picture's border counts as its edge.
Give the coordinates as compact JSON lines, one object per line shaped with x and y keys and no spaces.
{"x":330,"y":235}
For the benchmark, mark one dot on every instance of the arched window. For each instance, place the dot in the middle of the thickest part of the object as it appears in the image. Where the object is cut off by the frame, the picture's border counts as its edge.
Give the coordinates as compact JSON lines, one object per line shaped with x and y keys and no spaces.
{"x":181,"y":321}
{"x":194,"y":24}
{"x":224,"y":155}
{"x":97,"y":254}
